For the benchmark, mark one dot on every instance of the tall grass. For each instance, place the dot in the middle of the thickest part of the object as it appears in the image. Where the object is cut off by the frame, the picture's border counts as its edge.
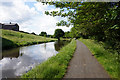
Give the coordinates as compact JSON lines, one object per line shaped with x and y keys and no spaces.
{"x":108,"y":59}
{"x":55,"y":67}
{"x":13,"y":39}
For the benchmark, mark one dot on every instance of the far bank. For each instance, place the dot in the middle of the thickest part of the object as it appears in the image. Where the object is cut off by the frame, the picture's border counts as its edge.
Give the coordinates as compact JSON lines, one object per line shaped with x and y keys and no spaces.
{"x":11,"y":39}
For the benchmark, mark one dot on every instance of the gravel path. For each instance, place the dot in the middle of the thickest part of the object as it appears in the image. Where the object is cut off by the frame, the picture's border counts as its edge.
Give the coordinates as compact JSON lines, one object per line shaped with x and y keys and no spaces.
{"x":84,"y":64}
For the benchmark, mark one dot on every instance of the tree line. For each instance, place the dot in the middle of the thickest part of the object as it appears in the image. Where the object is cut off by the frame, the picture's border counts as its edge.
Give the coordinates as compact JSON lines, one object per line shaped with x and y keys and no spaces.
{"x":57,"y":34}
{"x":95,"y":20}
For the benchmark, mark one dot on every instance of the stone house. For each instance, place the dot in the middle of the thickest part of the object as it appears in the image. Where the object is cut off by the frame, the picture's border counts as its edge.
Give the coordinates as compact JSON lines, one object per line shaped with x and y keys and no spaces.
{"x":10,"y":26}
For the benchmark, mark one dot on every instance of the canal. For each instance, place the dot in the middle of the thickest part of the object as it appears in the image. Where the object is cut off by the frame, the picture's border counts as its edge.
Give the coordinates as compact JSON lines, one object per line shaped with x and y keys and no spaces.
{"x":20,"y":60}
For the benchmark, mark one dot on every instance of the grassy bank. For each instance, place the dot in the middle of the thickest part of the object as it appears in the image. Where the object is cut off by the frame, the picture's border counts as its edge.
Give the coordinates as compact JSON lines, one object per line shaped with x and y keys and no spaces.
{"x":109,"y":60}
{"x":54,"y":67}
{"x":12,"y":39}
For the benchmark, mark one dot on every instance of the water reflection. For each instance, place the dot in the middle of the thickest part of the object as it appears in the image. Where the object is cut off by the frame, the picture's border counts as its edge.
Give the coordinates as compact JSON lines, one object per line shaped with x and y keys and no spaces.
{"x":13,"y":53}
{"x":17,"y":61}
{"x":59,"y":44}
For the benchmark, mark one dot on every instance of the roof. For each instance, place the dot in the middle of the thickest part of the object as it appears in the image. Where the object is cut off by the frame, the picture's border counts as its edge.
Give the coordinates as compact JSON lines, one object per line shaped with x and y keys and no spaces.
{"x":9,"y":23}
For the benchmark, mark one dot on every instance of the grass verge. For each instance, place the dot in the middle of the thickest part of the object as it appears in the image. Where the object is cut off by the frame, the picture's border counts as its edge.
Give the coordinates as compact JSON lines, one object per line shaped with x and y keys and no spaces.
{"x":108,"y":59}
{"x":56,"y":66}
{"x":12,"y":39}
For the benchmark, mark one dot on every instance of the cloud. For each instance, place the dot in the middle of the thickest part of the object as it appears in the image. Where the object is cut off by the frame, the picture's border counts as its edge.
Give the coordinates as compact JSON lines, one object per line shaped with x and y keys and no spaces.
{"x":30,"y":19}
{"x":15,"y":11}
{"x":40,"y":7}
{"x":43,"y":23}
{"x":17,"y":0}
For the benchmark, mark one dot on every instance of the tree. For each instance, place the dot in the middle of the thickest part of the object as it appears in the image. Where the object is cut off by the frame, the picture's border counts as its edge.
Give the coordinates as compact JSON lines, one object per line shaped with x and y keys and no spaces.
{"x":33,"y":33}
{"x":67,"y":34}
{"x":96,"y":20}
{"x":43,"y":34}
{"x":59,"y":33}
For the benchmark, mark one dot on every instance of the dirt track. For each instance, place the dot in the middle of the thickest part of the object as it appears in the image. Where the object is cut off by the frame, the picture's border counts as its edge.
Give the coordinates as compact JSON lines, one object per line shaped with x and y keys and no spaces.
{"x":84,"y":64}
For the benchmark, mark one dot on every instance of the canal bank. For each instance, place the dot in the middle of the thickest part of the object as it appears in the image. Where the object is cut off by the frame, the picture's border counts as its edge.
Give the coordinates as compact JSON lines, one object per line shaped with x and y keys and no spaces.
{"x":12,"y":39}
{"x":54,"y":67}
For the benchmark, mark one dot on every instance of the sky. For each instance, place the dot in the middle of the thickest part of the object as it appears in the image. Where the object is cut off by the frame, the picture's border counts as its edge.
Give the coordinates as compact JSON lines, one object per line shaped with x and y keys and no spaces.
{"x":30,"y":16}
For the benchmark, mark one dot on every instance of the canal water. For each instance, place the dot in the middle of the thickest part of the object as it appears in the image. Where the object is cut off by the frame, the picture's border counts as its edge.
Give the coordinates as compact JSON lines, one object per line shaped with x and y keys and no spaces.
{"x":20,"y":60}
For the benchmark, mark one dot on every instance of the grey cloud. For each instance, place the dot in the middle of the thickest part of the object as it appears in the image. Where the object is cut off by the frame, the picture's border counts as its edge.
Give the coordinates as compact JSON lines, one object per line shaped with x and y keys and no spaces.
{"x":8,"y":4}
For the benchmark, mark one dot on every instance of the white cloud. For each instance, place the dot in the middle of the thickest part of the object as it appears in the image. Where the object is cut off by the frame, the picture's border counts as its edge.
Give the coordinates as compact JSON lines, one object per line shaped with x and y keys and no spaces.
{"x":16,"y":12}
{"x":17,"y":0}
{"x":30,"y":19}
{"x":40,"y":7}
{"x":43,"y":23}
{"x":43,"y":7}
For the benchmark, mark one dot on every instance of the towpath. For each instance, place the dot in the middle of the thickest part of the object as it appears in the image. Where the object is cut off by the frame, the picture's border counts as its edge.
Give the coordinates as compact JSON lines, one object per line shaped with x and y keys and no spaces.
{"x":84,"y":64}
